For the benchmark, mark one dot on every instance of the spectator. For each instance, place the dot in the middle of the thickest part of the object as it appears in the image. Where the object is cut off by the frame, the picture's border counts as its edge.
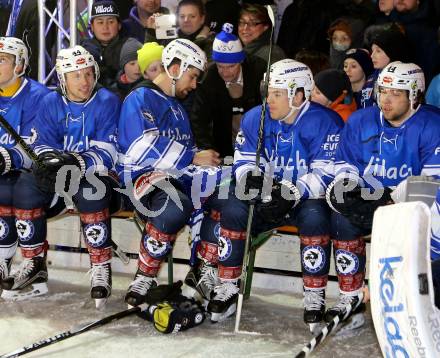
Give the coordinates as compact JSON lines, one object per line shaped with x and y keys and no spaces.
{"x":315,"y":60}
{"x":230,"y":88}
{"x":106,"y":44}
{"x":191,"y":24}
{"x":140,"y":23}
{"x":383,"y":12}
{"x":358,"y":67}
{"x":333,"y":90}
{"x":343,"y":34}
{"x":254,"y":28}
{"x":130,"y":73}
{"x":388,"y":44}
{"x":150,"y":60}
{"x":433,"y":93}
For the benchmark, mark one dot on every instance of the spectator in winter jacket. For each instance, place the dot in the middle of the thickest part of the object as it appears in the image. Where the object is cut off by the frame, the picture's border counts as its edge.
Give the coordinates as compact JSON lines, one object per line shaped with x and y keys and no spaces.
{"x":254,"y":28}
{"x":343,"y":33}
{"x":333,"y":90}
{"x":106,"y":44}
{"x":130,"y":73}
{"x":230,"y":88}
{"x":358,"y":67}
{"x":140,"y":23}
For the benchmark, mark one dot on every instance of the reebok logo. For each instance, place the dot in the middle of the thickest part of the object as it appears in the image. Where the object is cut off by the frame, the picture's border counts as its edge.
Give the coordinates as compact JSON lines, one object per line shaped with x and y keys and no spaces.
{"x":101,"y":9}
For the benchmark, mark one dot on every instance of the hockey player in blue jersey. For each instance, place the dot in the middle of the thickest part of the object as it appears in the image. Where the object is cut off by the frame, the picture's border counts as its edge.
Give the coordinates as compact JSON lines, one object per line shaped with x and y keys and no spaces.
{"x":158,"y":154}
{"x":20,"y":99}
{"x":299,"y":142}
{"x":75,"y":127}
{"x":379,"y":148}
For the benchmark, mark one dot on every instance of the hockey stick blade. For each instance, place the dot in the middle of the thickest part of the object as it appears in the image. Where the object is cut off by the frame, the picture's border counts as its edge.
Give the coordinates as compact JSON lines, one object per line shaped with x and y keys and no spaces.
{"x":328,"y":329}
{"x":74,"y":332}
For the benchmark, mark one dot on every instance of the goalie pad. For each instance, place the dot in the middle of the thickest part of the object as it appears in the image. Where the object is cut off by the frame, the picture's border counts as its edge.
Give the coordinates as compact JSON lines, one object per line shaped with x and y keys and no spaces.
{"x":406,"y":321}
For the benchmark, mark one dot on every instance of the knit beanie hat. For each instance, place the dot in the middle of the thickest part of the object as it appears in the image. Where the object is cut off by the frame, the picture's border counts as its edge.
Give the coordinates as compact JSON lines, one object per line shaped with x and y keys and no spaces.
{"x":104,"y":8}
{"x":150,"y":52}
{"x":363,"y":58}
{"x":393,"y":42}
{"x":332,"y":82}
{"x":340,"y":24}
{"x":129,"y":51}
{"x":227,"y":48}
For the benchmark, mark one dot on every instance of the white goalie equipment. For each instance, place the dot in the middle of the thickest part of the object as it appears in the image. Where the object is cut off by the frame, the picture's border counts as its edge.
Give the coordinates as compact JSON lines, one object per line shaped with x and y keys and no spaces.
{"x":406,"y":321}
{"x":187,"y":52}
{"x":18,"y":49}
{"x":74,"y":59}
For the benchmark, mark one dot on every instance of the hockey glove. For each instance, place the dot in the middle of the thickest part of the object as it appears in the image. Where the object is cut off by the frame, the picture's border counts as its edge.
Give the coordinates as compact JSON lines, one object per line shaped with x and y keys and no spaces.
{"x":51,"y":162}
{"x":253,"y":183}
{"x":345,"y":197}
{"x":284,"y":197}
{"x":174,"y":316}
{"x":5,"y":161}
{"x":163,"y":293}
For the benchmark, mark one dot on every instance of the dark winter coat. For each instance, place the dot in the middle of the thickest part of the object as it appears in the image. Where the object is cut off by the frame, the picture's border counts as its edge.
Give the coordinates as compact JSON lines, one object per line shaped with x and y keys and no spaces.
{"x":107,"y":58}
{"x":211,"y":115}
{"x":133,"y":27}
{"x":260,"y":48}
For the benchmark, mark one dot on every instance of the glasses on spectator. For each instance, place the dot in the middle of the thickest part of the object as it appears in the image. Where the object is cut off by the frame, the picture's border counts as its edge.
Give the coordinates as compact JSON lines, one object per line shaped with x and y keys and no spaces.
{"x":250,"y":24}
{"x":391,"y":91}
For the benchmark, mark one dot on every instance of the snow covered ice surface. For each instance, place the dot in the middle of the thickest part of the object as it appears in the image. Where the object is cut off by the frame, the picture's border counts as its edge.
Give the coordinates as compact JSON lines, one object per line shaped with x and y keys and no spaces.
{"x":273,"y":319}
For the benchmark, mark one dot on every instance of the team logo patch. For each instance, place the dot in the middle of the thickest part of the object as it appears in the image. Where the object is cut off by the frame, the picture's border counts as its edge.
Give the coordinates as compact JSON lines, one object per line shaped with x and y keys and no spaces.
{"x":95,"y":234}
{"x":156,"y":248}
{"x":217,"y":230}
{"x":4,"y":229}
{"x":346,"y":262}
{"x":387,"y":80}
{"x":148,"y":116}
{"x":224,"y":248}
{"x":25,"y":229}
{"x":313,"y":258}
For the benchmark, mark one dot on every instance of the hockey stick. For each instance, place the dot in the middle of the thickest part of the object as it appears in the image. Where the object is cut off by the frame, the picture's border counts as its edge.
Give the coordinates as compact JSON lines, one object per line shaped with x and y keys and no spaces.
{"x":74,"y":332}
{"x":34,"y":157}
{"x":255,"y":172}
{"x":328,"y":329}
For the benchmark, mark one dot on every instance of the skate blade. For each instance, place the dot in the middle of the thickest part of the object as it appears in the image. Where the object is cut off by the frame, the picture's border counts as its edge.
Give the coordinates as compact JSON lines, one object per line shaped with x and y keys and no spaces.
{"x":220,"y":317}
{"x":100,"y":303}
{"x":355,"y":322}
{"x":38,"y":289}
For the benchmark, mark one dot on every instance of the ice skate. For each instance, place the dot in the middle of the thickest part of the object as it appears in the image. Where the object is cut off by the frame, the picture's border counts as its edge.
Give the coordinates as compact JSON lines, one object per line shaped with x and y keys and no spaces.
{"x":137,"y":291}
{"x":224,"y":300}
{"x":29,"y":281}
{"x":314,"y":308}
{"x":5,"y":268}
{"x":101,"y":283}
{"x":356,"y":319}
{"x":200,"y":282}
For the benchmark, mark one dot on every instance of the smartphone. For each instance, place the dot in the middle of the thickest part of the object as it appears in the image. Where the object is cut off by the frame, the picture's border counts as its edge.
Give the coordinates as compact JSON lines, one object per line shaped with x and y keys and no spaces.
{"x":166,"y":27}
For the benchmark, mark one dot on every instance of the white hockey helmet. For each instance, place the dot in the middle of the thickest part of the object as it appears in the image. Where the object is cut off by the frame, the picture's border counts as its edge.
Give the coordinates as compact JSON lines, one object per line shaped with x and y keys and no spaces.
{"x":17,"y":48}
{"x":74,"y":59}
{"x":290,"y":75}
{"x":187,"y":52}
{"x":403,"y":76}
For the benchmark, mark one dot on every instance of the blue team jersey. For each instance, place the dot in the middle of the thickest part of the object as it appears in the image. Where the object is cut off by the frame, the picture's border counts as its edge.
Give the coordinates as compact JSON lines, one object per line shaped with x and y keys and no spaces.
{"x":20,"y":111}
{"x":87,"y":128}
{"x":372,"y":148}
{"x":154,"y":134}
{"x":301,"y":152}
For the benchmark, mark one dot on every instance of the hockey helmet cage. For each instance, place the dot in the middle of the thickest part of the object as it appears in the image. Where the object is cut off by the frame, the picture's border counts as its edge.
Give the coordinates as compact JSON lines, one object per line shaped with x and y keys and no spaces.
{"x":187,"y":52}
{"x":290,"y":75}
{"x":17,"y":48}
{"x":403,"y":76}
